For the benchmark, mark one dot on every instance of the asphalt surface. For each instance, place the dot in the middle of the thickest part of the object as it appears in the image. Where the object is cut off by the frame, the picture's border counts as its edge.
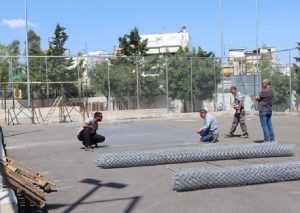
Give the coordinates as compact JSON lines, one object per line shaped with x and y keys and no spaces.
{"x":81,"y":186}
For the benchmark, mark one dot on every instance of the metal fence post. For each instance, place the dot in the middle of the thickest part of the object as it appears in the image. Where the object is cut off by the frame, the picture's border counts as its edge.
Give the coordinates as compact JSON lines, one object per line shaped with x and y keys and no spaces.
{"x":167,"y":84}
{"x":47,"y":80}
{"x":108,"y":85}
{"x":192,"y":107}
{"x":215,"y":85}
{"x":137,"y":83}
{"x":290,"y":81}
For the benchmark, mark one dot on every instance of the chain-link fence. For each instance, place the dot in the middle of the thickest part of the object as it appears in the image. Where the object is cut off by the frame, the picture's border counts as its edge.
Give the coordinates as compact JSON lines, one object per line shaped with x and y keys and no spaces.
{"x":170,"y":83}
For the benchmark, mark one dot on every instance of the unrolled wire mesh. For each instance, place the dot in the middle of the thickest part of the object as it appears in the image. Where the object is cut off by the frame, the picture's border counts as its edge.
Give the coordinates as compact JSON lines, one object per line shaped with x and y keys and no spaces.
{"x":191,"y":154}
{"x":212,"y":177}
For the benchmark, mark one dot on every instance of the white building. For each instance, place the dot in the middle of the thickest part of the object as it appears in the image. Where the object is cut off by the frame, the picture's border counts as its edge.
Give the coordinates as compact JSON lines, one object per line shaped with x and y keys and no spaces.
{"x":167,"y":42}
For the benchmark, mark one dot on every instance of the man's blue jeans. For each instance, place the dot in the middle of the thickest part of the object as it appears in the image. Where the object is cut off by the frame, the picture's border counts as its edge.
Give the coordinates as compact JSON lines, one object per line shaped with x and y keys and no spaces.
{"x":266,"y":124}
{"x":206,"y":136}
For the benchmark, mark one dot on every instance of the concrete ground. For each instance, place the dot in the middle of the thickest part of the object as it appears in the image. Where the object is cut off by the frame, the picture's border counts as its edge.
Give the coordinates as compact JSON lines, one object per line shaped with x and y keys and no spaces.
{"x":81,"y":186}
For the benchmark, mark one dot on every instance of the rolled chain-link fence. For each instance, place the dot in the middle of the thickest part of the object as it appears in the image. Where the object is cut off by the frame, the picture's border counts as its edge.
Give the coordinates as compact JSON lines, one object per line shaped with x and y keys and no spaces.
{"x":191,"y":154}
{"x":212,"y":177}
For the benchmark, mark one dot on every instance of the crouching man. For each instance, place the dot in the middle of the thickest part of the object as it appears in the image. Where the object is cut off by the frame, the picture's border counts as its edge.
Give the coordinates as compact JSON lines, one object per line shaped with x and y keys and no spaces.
{"x":209,"y":131}
{"x":88,"y":132}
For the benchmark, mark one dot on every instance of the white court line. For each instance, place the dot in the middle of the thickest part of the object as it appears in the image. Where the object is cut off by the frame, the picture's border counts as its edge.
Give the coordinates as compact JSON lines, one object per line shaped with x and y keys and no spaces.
{"x":33,"y":144}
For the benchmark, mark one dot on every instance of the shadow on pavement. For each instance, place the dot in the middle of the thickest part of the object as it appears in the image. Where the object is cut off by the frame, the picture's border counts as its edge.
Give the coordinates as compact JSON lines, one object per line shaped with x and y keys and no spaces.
{"x":97,"y":184}
{"x":21,"y":133}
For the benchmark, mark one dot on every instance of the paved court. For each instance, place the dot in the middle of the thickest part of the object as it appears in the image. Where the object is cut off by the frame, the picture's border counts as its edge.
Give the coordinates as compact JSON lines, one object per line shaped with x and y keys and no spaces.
{"x":83,"y":187}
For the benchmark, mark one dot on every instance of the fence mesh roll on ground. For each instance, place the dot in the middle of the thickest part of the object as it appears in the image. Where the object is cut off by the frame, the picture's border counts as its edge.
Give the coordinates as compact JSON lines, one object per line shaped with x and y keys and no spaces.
{"x":212,"y":177}
{"x":191,"y":154}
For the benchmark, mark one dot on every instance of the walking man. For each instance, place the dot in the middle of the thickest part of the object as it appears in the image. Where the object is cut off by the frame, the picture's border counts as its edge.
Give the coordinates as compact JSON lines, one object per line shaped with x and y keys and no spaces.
{"x":88,"y":132}
{"x":239,"y":115}
{"x":265,"y":103}
{"x":209,"y":131}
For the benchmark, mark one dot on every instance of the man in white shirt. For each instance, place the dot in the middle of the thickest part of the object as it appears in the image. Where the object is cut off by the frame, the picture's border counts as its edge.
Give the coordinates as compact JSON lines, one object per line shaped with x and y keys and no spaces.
{"x":209,"y":131}
{"x":88,"y":132}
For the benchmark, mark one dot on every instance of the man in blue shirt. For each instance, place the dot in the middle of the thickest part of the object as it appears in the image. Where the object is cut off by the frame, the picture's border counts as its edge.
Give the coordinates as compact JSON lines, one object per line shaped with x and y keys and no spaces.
{"x":209,"y":131}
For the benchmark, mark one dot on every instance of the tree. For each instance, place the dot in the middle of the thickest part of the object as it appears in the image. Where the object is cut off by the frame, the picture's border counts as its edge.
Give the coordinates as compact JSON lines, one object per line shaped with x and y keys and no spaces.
{"x":296,"y":77}
{"x":280,"y":83}
{"x":132,"y":45}
{"x":10,"y":66}
{"x":205,"y":74}
{"x":122,"y":86}
{"x":4,"y":77}
{"x":58,"y":41}
{"x":123,"y":70}
{"x":36,"y":64}
{"x":60,"y":69}
{"x":14,"y":48}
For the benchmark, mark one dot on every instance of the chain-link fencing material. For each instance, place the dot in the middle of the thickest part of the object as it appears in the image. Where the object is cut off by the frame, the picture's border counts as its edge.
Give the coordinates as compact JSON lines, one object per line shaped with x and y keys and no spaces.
{"x":192,"y":154}
{"x":211,"y":177}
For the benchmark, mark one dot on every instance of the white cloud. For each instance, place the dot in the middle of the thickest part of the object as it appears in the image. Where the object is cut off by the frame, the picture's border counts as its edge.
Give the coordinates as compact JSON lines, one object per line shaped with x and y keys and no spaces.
{"x":17,"y":23}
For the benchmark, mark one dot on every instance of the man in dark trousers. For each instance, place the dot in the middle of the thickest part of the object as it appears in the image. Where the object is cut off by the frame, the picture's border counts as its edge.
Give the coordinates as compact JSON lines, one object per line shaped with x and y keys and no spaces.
{"x":88,"y":132}
{"x":239,"y":115}
{"x":265,"y":103}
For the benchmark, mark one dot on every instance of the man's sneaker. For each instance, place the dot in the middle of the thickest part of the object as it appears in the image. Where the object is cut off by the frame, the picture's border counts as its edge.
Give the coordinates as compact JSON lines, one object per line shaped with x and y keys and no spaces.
{"x":215,"y":139}
{"x":228,"y":135}
{"x":90,"y":149}
{"x":245,"y":135}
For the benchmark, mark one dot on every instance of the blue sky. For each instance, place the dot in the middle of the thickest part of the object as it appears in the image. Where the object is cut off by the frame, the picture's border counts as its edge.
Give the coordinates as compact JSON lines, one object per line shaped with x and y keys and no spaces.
{"x":99,"y":23}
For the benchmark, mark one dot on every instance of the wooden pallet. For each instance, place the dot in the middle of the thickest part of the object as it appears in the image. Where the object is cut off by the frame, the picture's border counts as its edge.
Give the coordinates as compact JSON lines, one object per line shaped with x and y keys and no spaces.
{"x":25,"y":181}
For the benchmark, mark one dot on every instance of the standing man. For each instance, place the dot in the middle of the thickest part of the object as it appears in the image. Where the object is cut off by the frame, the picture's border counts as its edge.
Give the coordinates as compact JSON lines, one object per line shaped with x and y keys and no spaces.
{"x":209,"y":132}
{"x":239,"y":115}
{"x":265,"y":103}
{"x":88,"y":132}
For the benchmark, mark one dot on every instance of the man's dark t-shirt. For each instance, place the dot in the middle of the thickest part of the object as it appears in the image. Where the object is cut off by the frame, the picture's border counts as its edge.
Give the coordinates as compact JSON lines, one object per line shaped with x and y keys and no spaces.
{"x":266,"y":100}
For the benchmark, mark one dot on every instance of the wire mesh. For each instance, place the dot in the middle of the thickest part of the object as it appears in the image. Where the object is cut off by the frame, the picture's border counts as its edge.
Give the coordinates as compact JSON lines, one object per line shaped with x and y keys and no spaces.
{"x":212,"y":177}
{"x":191,"y":154}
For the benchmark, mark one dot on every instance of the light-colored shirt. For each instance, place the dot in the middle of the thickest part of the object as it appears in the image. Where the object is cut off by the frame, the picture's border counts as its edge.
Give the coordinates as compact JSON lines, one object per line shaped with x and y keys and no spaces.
{"x":91,"y":123}
{"x":237,"y":98}
{"x":210,"y":123}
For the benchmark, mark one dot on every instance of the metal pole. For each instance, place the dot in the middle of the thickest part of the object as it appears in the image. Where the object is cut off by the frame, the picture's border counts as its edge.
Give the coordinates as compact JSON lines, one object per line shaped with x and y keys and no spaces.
{"x":290,"y":68}
{"x":192,"y":107}
{"x":221,"y":37}
{"x":257,"y":71}
{"x":47,"y":80}
{"x":27,"y":61}
{"x":108,"y":83}
{"x":12,"y":81}
{"x":215,"y":84}
{"x":167,"y":84}
{"x":78,"y":77}
{"x":137,"y":83}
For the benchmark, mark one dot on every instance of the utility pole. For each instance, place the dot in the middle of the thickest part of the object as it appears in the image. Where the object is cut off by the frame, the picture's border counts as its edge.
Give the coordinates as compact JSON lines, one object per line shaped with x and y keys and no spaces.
{"x":257,"y":70}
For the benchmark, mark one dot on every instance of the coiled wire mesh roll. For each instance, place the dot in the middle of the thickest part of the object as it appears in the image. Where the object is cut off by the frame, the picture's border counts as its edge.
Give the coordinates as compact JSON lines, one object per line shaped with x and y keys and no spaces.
{"x":191,"y":154}
{"x":212,"y":177}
